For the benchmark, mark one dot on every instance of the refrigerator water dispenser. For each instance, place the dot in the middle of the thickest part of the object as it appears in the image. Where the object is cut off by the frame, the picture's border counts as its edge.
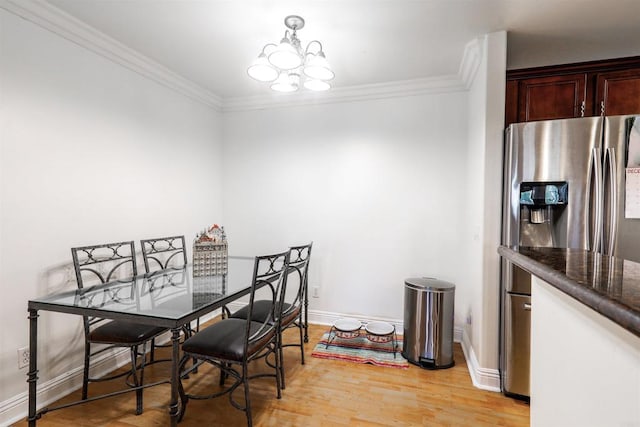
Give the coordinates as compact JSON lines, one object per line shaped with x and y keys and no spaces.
{"x":542,"y":221}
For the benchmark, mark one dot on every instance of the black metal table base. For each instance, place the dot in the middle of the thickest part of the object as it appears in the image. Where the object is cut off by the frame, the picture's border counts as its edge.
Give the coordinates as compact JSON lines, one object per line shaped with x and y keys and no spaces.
{"x":32,"y":378}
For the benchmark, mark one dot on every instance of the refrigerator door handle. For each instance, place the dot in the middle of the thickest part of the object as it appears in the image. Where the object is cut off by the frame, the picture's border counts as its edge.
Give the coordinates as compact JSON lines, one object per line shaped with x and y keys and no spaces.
{"x":594,"y":201}
{"x":612,"y":214}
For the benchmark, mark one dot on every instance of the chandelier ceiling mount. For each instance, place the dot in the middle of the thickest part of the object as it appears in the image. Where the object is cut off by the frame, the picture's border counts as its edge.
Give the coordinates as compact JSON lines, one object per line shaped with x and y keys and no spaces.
{"x":294,"y":22}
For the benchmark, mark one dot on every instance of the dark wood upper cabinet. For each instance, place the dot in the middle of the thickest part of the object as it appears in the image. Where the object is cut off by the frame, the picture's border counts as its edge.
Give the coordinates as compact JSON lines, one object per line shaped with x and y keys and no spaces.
{"x":593,"y":88}
{"x":618,"y":92}
{"x":554,"y":97}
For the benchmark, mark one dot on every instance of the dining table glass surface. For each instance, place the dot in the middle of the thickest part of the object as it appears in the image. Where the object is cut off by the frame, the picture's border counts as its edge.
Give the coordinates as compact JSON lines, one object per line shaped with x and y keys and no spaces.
{"x":169,"y":294}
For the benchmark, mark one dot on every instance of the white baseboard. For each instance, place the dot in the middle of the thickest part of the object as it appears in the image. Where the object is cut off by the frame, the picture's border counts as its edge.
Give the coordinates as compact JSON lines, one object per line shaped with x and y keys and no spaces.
{"x":482,"y":378}
{"x":15,"y":409}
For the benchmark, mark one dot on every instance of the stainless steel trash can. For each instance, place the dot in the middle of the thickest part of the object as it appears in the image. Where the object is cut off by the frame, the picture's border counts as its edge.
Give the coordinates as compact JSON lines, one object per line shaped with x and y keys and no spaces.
{"x":428,"y":322}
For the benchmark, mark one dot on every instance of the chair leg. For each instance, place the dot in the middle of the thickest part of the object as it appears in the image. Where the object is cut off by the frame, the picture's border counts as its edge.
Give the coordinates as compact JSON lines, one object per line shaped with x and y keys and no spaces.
{"x":223,"y":376}
{"x":137,"y":382}
{"x":247,"y":400}
{"x":184,"y":399}
{"x":142,"y":366}
{"x":301,"y":328}
{"x":306,"y":318}
{"x":280,"y":362}
{"x":152,"y":353}
{"x":85,"y":373}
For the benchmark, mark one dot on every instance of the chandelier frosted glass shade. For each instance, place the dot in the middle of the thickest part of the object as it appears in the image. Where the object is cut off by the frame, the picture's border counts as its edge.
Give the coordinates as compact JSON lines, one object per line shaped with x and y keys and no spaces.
{"x":286,"y":65}
{"x":286,"y":82}
{"x":317,"y":67}
{"x":262,"y":70}
{"x":285,"y":56}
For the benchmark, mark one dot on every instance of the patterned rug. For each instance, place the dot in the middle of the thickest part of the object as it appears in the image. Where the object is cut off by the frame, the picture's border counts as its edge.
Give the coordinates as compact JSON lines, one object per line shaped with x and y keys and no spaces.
{"x":361,"y":350}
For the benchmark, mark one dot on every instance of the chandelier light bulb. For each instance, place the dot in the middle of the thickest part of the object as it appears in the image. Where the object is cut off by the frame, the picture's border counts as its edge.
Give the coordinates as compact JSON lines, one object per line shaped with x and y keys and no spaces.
{"x":262,"y":70}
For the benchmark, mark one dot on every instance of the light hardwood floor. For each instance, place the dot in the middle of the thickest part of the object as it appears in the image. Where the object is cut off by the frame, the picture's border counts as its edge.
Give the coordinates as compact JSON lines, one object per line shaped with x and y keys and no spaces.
{"x":319,"y":393}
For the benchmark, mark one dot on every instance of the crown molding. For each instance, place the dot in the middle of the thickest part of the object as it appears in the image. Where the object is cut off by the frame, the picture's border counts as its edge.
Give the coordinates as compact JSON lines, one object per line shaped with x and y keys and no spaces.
{"x":431,"y":85}
{"x":57,"y":21}
{"x":471,"y":59}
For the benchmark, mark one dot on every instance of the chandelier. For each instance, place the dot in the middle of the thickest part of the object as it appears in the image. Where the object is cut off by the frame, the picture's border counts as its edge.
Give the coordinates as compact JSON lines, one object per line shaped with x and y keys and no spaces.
{"x":285,"y":65}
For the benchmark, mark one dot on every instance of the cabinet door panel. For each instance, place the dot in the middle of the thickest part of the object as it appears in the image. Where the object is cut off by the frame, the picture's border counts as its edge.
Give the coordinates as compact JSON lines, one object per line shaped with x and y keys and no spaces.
{"x":618,"y":92}
{"x":555,"y":97}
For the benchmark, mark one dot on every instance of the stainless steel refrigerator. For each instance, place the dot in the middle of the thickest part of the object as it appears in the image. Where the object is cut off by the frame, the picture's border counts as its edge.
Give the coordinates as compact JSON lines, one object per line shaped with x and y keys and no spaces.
{"x":564,"y":186}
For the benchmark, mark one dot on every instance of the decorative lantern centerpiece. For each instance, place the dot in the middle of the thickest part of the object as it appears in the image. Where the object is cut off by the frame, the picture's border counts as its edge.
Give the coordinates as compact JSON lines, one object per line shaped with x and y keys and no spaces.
{"x":210,"y":252}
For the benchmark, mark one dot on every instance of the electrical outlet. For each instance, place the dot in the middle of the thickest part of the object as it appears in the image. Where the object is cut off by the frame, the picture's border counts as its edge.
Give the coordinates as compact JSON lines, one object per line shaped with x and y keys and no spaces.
{"x":316,"y":291}
{"x":23,"y":357}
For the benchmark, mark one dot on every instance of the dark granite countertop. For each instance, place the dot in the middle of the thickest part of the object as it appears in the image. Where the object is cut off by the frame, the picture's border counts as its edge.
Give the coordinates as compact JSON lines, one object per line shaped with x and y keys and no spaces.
{"x":609,"y":285}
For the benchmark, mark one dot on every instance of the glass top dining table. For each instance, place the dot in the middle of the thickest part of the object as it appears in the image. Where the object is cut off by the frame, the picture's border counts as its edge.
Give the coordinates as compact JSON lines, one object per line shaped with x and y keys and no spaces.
{"x":170,"y":298}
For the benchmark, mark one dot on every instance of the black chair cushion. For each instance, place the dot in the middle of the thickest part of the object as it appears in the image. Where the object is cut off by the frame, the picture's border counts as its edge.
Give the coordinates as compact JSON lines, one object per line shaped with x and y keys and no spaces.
{"x":123,"y":332}
{"x":225,"y":340}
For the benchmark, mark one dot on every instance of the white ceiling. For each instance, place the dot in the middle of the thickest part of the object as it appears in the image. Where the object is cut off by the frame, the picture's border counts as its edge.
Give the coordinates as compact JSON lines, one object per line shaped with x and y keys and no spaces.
{"x":211,"y":42}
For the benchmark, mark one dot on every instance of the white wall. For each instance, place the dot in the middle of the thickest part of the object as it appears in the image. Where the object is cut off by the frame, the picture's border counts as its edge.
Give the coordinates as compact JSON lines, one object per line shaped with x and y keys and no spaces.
{"x":378,"y":185}
{"x":483,"y":213}
{"x":90,"y":152}
{"x":474,"y":213}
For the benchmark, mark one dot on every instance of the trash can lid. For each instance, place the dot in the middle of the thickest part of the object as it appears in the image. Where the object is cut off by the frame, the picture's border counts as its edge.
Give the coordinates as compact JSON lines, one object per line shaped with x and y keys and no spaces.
{"x":430,"y":284}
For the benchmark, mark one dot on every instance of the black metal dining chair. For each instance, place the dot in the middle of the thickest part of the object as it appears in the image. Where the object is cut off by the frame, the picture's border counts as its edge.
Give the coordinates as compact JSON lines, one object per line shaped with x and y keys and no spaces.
{"x":232,"y":343}
{"x":163,"y":252}
{"x":294,"y":308}
{"x":100,"y":264}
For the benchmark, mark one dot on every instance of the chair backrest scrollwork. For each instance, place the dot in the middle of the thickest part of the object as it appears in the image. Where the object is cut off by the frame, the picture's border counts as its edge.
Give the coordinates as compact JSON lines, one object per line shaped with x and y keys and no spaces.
{"x":298,"y":277}
{"x":104,"y":262}
{"x":98,"y":264}
{"x":163,"y":252}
